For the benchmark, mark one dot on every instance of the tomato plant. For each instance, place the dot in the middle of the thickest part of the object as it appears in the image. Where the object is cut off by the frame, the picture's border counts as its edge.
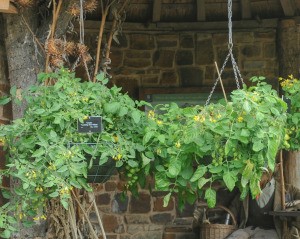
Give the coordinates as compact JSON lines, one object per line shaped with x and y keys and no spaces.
{"x":232,"y":143}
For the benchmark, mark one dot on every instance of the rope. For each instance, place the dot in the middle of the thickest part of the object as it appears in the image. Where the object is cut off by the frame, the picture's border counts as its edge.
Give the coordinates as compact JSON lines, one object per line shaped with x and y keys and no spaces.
{"x":236,"y":71}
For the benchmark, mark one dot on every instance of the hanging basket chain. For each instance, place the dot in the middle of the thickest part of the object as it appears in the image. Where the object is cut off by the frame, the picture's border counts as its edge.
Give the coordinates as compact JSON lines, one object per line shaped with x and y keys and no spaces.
{"x":236,"y":71}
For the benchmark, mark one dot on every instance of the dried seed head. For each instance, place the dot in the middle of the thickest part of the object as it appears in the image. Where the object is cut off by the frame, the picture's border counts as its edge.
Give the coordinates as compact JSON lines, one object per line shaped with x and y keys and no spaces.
{"x":56,"y":62}
{"x":82,"y":49}
{"x":74,"y":10}
{"x":70,"y":48}
{"x":90,"y":6}
{"x":25,"y":3}
{"x":55,"y":47}
{"x":86,"y":57}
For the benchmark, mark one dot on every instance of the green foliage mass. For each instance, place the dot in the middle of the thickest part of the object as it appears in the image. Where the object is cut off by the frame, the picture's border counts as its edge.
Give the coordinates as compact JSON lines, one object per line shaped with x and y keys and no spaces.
{"x":187,"y":150}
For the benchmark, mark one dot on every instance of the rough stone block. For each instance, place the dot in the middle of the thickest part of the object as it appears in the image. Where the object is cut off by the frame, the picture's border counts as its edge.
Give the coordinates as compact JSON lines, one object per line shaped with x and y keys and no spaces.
{"x":164,"y":58}
{"x":148,"y":80}
{"x":187,"y":41}
{"x":138,"y":54}
{"x":137,"y":219}
{"x":169,"y":78}
{"x":165,"y":44}
{"x":110,"y":186}
{"x":142,"y":204}
{"x":122,"y":42}
{"x":192,"y":76}
{"x":251,"y":65}
{"x":161,"y":218}
{"x":116,"y":58}
{"x":220,"y":39}
{"x":109,"y":236}
{"x":129,"y":85}
{"x":103,"y":199}
{"x":120,"y":203}
{"x":159,"y":205}
{"x":142,"y":42}
{"x":147,"y":235}
{"x":204,"y":52}
{"x":251,"y":50}
{"x":266,"y":35}
{"x":243,"y":37}
{"x":269,"y":50}
{"x":184,"y":57}
{"x":137,"y":228}
{"x":137,"y":63}
{"x":112,"y":224}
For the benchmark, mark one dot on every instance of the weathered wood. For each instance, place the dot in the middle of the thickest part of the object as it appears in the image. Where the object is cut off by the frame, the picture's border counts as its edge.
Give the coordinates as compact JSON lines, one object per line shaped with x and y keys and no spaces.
{"x":246,"y":9}
{"x":156,"y":11}
{"x":291,"y":163}
{"x":201,"y":10}
{"x":288,"y":7}
{"x":92,"y":26}
{"x":7,"y":7}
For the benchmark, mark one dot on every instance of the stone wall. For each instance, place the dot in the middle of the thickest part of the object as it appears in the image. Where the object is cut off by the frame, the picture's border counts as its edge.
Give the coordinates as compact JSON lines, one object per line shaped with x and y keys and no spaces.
{"x":186,"y":59}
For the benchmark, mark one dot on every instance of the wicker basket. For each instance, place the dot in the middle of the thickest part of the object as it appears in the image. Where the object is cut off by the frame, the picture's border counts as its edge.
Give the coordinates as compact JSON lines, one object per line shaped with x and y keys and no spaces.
{"x":218,"y":231}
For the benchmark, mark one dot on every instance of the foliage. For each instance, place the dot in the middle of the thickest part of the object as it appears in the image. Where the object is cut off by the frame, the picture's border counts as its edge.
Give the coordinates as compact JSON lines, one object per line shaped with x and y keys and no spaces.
{"x":40,"y":156}
{"x":291,"y":89}
{"x":231,"y":143}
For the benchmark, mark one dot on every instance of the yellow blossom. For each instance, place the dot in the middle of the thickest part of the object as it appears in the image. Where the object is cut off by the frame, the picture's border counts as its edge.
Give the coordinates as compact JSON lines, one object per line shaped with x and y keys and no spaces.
{"x":177,"y":144}
{"x":151,"y":114}
{"x":211,"y":119}
{"x":159,"y":122}
{"x":202,"y":119}
{"x":36,"y":218}
{"x":43,"y":217}
{"x":240,"y":119}
{"x":197,"y":118}
{"x":116,"y":139}
{"x":158,"y":151}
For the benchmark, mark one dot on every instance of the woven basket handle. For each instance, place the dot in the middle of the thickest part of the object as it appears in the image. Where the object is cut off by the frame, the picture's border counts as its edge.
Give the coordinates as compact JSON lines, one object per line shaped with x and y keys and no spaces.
{"x":227,"y":210}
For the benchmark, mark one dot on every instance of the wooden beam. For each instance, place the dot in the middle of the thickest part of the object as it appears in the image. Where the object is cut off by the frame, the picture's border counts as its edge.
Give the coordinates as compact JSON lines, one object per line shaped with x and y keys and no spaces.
{"x":288,"y":7}
{"x":246,"y":9}
{"x":7,"y":7}
{"x":201,"y":10}
{"x":156,"y":11}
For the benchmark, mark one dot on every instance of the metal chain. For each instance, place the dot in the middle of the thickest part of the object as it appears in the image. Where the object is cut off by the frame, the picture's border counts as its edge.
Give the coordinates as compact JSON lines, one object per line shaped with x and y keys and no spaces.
{"x":236,"y":71}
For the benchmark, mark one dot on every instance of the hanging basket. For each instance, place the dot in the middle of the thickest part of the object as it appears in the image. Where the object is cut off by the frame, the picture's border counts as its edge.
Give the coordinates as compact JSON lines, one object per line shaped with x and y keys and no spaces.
{"x":218,"y":231}
{"x":100,"y":173}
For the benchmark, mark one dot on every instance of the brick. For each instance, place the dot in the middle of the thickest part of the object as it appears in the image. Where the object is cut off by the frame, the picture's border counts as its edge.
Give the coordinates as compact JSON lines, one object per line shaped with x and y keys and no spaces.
{"x":161,"y":218}
{"x":140,"y":204}
{"x":269,"y":35}
{"x":184,"y":57}
{"x":97,"y":187}
{"x":243,"y":37}
{"x":159,"y":205}
{"x":110,"y":186}
{"x":251,"y":65}
{"x":164,"y":58}
{"x":128,"y":84}
{"x":137,"y":219}
{"x":210,"y":74}
{"x":192,"y":76}
{"x":112,"y":223}
{"x":142,"y":42}
{"x":167,"y":37}
{"x":169,"y":78}
{"x":220,"y":39}
{"x":269,"y":50}
{"x":168,"y":235}
{"x":187,"y":41}
{"x":204,"y":52}
{"x":137,"y":228}
{"x":103,"y":199}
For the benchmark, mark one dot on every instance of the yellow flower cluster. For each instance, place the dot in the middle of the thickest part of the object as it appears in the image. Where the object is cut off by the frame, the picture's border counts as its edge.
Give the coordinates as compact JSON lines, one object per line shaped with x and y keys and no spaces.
{"x":151,"y":114}
{"x":65,"y":190}
{"x":289,"y":82}
{"x":43,"y":217}
{"x":117,"y":157}
{"x":31,"y":174}
{"x":240,"y":119}
{"x":177,"y":144}
{"x":39,"y":189}
{"x":199,"y":118}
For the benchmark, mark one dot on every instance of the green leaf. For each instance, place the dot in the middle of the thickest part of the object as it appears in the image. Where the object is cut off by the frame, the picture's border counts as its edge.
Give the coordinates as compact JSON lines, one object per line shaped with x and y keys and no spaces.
{"x":161,"y":138}
{"x":63,"y":169}
{"x":136,"y":115}
{"x":6,"y":233}
{"x":161,"y":181}
{"x":38,"y":153}
{"x":247,"y":106}
{"x":65,"y":204}
{"x":148,"y":136}
{"x":257,"y":146}
{"x":4,"y":100}
{"x":112,"y":107}
{"x":230,"y":180}
{"x":211,"y":197}
{"x":167,"y":199}
{"x":202,"y":182}
{"x":248,"y":170}
{"x":145,"y":160}
{"x":187,"y":172}
{"x":200,"y":171}
{"x":54,"y":194}
{"x":132,"y":163}
{"x":174,"y":167}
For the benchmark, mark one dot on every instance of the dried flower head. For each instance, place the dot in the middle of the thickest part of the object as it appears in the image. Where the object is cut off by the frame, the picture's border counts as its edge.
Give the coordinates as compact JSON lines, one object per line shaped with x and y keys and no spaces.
{"x":86,"y":57}
{"x":25,"y":3}
{"x":70,"y":48}
{"x":74,"y":10}
{"x":56,"y":61}
{"x":55,"y":47}
{"x":82,"y":49}
{"x":90,"y":5}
